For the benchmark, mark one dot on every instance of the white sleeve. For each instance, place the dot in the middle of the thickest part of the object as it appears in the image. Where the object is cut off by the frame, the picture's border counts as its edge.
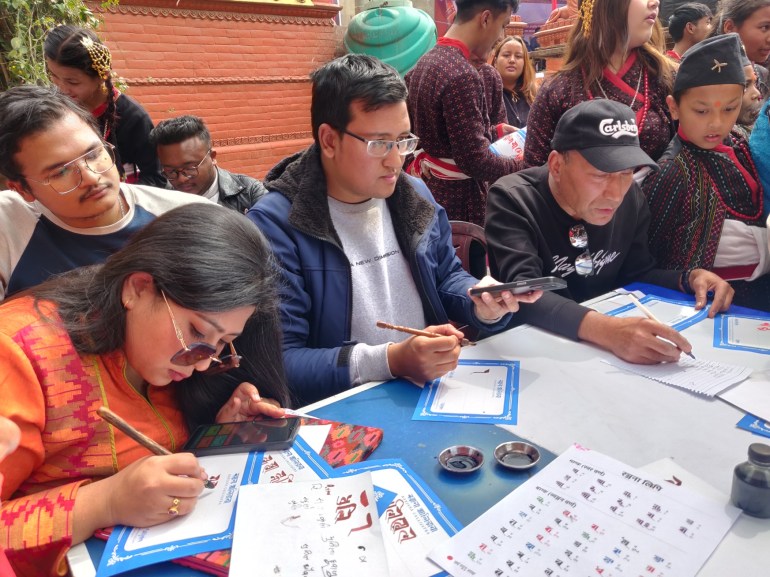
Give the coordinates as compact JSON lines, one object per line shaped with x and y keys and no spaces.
{"x":18,"y":219}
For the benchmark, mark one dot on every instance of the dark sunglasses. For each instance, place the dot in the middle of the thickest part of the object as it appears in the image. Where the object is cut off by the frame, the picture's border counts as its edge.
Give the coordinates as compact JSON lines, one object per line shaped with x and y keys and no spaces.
{"x":584,"y":263}
{"x":198,"y":352}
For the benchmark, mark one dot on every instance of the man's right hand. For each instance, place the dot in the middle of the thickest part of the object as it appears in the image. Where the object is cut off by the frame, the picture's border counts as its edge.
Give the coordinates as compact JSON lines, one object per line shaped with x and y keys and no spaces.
{"x":422,"y":359}
{"x":633,"y":339}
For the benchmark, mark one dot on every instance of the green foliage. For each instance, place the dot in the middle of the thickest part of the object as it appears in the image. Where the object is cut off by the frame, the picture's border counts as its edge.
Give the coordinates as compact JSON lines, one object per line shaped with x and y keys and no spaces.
{"x":23,"y":26}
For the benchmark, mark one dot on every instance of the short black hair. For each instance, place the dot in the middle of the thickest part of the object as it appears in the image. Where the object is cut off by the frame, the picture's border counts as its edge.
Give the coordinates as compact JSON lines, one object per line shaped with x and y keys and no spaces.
{"x":353,"y":77}
{"x":179,"y":129}
{"x":30,"y":109}
{"x":683,"y":15}
{"x":467,"y":9}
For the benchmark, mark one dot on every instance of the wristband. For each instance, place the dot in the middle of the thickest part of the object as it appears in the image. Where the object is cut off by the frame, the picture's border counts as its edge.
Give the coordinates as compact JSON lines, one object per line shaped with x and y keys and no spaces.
{"x":684,"y":280}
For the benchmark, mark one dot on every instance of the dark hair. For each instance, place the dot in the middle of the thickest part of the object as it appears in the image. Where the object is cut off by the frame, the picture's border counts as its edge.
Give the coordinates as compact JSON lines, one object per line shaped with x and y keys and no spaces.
{"x":179,"y":129}
{"x":64,"y":45}
{"x":683,"y":15}
{"x":204,"y":258}
{"x":27,"y":110}
{"x":467,"y":9}
{"x":349,"y":78}
{"x":738,"y":11}
{"x":526,"y":85}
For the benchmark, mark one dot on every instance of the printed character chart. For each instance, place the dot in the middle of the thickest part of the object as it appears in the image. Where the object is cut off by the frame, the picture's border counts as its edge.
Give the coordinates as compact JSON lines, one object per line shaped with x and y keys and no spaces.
{"x":324,"y":528}
{"x":475,"y":392}
{"x":413,"y":520}
{"x":743,"y":333}
{"x":674,"y":313}
{"x":210,"y":526}
{"x":587,"y":514}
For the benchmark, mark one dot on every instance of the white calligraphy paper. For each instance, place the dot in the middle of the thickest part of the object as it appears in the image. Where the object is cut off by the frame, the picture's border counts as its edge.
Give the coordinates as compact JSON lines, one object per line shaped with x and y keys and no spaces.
{"x":412,"y":518}
{"x":210,"y":526}
{"x":743,"y":333}
{"x":587,"y":514}
{"x":475,"y":392}
{"x":674,"y":313}
{"x":699,"y":376}
{"x":322,"y":528}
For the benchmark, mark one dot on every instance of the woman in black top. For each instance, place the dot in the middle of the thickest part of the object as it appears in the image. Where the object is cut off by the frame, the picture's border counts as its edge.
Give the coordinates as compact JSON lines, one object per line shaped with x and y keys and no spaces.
{"x":80,"y":66}
{"x":514,"y":65}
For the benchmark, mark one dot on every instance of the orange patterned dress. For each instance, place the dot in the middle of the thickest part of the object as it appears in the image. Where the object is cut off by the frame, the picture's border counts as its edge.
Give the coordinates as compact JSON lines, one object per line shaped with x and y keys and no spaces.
{"x":51,"y":392}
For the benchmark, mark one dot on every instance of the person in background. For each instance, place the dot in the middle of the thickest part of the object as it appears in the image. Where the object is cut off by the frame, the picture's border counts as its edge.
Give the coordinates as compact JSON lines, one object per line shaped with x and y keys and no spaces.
{"x":609,"y":55}
{"x":67,"y":206}
{"x":189,"y":162}
{"x":519,"y":86}
{"x":759,"y":145}
{"x":582,"y":217}
{"x":80,"y":65}
{"x":750,"y":19}
{"x":706,"y":200}
{"x":9,"y":440}
{"x":141,"y":334}
{"x":689,"y":24}
{"x":448,"y":109}
{"x":360,"y":241}
{"x":752,"y":99}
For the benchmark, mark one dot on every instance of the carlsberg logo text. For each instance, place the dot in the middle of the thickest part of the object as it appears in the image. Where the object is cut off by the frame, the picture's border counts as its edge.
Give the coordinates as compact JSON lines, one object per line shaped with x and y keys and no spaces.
{"x":616,"y":128}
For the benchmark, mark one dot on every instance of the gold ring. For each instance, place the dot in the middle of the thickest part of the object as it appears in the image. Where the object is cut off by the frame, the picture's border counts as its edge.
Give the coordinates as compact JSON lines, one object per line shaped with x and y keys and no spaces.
{"x":174,"y":509}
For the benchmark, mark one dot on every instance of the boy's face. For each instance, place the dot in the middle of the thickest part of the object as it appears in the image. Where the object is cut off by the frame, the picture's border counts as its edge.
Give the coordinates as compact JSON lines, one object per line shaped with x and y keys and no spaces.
{"x":706,"y":114}
{"x":701,"y":29}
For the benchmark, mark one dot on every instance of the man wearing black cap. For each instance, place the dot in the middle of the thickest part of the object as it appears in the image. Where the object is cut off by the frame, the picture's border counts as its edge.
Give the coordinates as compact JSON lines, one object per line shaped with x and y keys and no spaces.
{"x":706,"y":201}
{"x":582,"y":217}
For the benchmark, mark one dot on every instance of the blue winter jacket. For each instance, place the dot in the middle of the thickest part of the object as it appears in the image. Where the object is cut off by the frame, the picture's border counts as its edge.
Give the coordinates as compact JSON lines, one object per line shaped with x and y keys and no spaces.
{"x":316,"y":293}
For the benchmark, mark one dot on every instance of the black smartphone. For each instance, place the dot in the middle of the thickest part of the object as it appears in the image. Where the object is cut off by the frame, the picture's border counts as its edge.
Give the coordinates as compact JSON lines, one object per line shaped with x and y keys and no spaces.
{"x":243,"y":436}
{"x":546,"y":283}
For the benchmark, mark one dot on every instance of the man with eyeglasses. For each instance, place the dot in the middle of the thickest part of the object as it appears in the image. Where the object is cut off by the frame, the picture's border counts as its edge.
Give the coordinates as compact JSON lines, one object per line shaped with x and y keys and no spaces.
{"x":359,"y":241}
{"x":582,"y":217}
{"x":66,"y":207}
{"x":189,"y":162}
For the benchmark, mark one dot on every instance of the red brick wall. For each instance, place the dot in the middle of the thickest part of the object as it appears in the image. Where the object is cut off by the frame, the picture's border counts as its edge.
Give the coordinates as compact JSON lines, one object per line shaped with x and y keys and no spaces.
{"x":243,"y":67}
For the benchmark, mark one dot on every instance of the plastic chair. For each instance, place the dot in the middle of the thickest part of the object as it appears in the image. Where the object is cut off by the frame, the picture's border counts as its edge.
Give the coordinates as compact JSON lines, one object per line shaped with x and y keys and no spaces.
{"x":471,"y":246}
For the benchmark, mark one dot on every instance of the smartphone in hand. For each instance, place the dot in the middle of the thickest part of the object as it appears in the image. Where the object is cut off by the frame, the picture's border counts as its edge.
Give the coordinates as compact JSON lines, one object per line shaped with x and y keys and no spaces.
{"x":243,"y":436}
{"x":546,"y":283}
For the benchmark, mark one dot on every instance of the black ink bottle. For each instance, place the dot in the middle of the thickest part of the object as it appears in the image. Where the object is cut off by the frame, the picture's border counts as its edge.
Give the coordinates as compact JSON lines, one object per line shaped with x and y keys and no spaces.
{"x":751,"y":482}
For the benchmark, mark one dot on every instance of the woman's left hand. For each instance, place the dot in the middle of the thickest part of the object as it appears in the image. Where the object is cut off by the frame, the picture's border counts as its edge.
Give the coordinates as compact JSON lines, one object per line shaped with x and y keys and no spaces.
{"x":245,"y":404}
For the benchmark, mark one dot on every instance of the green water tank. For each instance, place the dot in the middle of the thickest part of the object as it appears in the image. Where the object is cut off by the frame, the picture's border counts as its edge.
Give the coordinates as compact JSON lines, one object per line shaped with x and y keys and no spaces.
{"x":393,"y":31}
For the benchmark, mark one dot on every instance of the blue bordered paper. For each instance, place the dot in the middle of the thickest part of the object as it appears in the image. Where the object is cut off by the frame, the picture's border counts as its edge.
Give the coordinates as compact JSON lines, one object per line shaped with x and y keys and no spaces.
{"x":655,"y":304}
{"x":123,"y":551}
{"x":480,"y":391}
{"x":737,"y":332}
{"x":754,"y":425}
{"x":413,"y":519}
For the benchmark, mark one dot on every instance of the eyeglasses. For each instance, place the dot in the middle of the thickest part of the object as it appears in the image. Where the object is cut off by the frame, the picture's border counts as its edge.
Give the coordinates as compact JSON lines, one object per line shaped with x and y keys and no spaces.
{"x":191,"y":172}
{"x":197,"y":352}
{"x":68,"y":176}
{"x":381,"y":148}
{"x":584,"y":263}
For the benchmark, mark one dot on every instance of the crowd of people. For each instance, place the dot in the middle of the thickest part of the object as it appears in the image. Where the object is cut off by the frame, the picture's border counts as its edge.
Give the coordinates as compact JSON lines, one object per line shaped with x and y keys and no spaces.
{"x":138,"y":274}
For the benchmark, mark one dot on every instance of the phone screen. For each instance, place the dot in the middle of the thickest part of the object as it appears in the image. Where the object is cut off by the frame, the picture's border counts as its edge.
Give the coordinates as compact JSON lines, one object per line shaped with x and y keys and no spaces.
{"x":244,"y":436}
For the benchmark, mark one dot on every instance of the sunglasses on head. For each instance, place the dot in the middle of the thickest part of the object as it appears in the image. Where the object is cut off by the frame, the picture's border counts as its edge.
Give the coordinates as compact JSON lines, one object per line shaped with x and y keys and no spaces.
{"x":197,"y":352}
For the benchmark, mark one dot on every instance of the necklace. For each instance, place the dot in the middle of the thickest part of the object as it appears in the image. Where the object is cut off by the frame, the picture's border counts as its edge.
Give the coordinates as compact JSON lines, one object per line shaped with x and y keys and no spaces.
{"x":120,"y":205}
{"x":645,"y":106}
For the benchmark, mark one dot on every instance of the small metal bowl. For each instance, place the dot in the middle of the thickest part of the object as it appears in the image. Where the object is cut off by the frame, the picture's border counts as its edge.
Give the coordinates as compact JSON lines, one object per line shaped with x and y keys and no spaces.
{"x":517,"y":455}
{"x":461,"y":459}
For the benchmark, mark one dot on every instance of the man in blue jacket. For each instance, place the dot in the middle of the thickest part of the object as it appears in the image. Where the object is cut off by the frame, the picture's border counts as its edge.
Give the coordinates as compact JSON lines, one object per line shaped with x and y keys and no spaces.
{"x":360,"y":241}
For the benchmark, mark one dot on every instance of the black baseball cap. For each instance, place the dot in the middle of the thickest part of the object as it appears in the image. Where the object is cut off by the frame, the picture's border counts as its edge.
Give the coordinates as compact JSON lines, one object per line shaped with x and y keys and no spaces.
{"x":604,"y":132}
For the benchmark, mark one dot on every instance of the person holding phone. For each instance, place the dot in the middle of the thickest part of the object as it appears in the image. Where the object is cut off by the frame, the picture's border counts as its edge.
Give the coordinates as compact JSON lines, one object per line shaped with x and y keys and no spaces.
{"x":360,"y":241}
{"x":154,"y":334}
{"x":582,"y":218}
